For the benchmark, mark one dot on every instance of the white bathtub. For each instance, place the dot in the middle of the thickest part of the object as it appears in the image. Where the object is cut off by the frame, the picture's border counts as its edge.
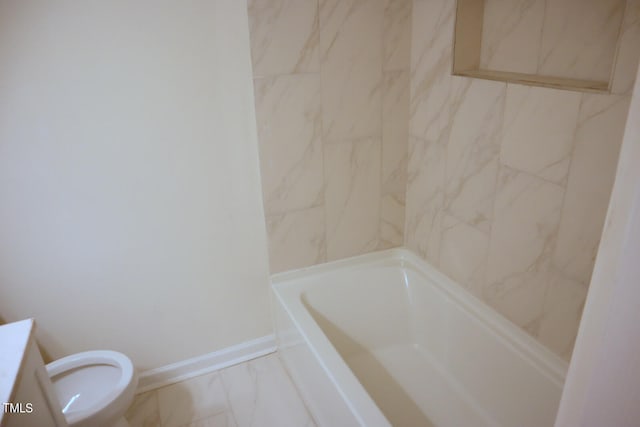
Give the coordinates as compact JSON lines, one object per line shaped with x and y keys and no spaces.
{"x":384,"y":339}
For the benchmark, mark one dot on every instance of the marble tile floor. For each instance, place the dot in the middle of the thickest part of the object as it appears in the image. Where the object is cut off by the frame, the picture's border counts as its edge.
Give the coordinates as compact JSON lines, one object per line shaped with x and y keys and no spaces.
{"x":252,"y":394}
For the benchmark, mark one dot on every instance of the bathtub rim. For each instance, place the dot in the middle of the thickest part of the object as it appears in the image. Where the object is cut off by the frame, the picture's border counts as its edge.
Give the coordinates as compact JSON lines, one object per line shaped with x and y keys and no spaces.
{"x":289,"y":293}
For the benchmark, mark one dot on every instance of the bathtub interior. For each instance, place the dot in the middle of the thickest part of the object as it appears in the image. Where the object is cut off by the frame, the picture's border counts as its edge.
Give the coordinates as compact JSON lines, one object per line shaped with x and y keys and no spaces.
{"x":426,"y":352}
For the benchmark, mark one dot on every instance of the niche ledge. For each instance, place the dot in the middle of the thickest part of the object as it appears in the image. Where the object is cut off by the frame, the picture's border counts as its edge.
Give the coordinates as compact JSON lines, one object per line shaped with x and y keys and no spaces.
{"x":536,"y":80}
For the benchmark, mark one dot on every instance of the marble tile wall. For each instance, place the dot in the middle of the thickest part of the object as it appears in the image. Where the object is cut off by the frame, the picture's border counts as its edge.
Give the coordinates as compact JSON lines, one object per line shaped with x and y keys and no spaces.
{"x":508,"y":185}
{"x":331,"y":82}
{"x":567,"y":38}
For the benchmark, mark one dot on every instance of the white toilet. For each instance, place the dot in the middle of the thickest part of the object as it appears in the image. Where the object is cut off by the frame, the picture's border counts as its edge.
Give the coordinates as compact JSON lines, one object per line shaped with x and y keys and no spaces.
{"x":94,"y":388}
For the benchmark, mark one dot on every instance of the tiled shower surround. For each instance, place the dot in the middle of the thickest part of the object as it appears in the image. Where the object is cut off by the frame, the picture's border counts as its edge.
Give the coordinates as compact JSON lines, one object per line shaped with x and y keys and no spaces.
{"x":506,"y":186}
{"x":332,"y":101}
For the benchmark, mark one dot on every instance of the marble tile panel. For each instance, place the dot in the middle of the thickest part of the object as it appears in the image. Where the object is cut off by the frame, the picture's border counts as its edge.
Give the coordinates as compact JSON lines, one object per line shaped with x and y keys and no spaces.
{"x":296,"y":239}
{"x":626,"y":64}
{"x":351,"y":72}
{"x":593,"y":167}
{"x":472,"y":151}
{"x":511,"y":35}
{"x":561,"y":314}
{"x":352,"y":197}
{"x":632,"y":12}
{"x":194,"y":399}
{"x":395,"y":131}
{"x":579,"y":38}
{"x":431,"y":63}
{"x":284,"y":36}
{"x":523,"y":235}
{"x":224,"y":419}
{"x":396,"y":34}
{"x":391,"y":221}
{"x":538,"y":130}
{"x":289,"y":121}
{"x":144,"y":412}
{"x":463,"y":253}
{"x":425,"y":196}
{"x":261,"y":394}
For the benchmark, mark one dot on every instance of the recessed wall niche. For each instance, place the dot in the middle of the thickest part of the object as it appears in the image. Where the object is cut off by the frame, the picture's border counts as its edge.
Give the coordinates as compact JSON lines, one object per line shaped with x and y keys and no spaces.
{"x":566,"y":44}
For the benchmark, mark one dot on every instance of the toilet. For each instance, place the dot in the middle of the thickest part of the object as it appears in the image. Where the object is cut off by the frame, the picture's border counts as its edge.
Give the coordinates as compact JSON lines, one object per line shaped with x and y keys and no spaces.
{"x":94,"y":388}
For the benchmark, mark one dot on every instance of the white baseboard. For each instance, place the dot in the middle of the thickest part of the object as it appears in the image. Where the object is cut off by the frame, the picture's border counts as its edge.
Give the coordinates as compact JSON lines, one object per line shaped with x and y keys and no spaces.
{"x":185,"y":369}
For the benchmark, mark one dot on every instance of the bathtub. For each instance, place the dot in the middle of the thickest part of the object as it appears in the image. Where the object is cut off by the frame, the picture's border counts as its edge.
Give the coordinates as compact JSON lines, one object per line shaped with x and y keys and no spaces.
{"x":385,"y":339}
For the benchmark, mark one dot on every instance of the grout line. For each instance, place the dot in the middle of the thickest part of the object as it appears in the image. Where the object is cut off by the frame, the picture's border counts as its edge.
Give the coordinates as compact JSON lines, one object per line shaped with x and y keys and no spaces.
{"x":544,"y":19}
{"x":293,"y":211}
{"x":622,"y":28}
{"x":495,"y":191}
{"x":566,"y":183}
{"x":383,"y":92}
{"x":324,"y":256}
{"x":157,"y":399}
{"x":292,"y":73}
{"x":227,"y":400}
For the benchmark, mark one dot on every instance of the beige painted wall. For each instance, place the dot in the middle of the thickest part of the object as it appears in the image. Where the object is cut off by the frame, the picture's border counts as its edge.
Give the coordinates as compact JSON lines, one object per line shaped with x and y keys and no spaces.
{"x":508,"y":185}
{"x":332,"y":98}
{"x":130,"y":207}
